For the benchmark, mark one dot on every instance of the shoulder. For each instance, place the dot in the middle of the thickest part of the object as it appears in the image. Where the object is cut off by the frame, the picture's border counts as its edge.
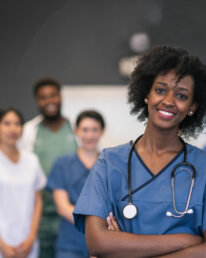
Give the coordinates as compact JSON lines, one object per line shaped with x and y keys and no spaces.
{"x":29,"y":156}
{"x":65,"y":159}
{"x":67,"y":120}
{"x":112,"y":159}
{"x":118,"y":152}
{"x":197,"y":158}
{"x":30,"y":160}
{"x":33,"y":122}
{"x":197,"y":152}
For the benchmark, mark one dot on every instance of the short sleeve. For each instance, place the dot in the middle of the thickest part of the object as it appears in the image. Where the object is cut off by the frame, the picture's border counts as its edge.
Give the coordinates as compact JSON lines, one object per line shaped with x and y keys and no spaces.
{"x":94,"y":198}
{"x":56,"y":179}
{"x":40,"y":181}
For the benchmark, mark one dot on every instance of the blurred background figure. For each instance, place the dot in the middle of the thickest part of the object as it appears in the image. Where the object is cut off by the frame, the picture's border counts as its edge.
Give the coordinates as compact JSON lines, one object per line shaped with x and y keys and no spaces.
{"x":21,"y":179}
{"x":66,"y":181}
{"x":49,"y":135}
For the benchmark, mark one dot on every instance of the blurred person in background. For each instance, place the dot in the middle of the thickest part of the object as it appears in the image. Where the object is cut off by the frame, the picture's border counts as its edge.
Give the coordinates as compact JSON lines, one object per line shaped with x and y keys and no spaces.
{"x":66,"y":181}
{"x":50,"y":136}
{"x":21,"y":181}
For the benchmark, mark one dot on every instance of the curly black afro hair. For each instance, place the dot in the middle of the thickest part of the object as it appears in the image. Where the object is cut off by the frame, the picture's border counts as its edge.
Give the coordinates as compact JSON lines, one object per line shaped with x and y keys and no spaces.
{"x":160,"y":60}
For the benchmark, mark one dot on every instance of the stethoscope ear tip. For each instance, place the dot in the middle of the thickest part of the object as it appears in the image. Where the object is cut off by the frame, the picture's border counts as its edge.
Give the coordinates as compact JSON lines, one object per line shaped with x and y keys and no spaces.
{"x":190,"y":211}
{"x":168,"y":213}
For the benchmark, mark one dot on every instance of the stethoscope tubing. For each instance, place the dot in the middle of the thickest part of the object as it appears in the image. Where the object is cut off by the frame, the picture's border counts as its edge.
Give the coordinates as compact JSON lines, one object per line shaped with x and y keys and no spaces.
{"x":184,"y":163}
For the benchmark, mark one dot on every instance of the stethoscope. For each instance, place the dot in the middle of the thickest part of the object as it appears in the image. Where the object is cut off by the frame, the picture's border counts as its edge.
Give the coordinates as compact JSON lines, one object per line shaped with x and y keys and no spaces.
{"x":130,"y":210}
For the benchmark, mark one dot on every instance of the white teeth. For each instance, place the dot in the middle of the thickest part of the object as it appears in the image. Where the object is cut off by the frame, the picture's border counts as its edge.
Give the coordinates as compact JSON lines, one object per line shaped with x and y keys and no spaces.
{"x":166,"y":113}
{"x":51,"y":108}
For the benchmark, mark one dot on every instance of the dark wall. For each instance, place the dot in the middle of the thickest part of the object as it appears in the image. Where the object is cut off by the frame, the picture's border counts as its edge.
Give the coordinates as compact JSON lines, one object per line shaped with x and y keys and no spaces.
{"x":81,"y":41}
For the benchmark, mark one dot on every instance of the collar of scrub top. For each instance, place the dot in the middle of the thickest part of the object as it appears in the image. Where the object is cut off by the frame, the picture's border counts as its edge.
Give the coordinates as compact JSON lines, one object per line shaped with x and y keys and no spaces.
{"x":134,"y":210}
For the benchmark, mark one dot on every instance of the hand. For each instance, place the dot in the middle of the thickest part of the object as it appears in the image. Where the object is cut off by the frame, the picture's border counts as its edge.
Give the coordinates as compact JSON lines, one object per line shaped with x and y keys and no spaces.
{"x":112,"y":223}
{"x":8,"y":251}
{"x":24,"y":248}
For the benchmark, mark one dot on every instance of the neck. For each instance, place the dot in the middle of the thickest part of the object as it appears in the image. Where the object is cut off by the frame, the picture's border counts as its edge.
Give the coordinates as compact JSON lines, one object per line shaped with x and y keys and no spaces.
{"x":88,"y":153}
{"x":9,"y":150}
{"x":54,"y":125}
{"x":158,"y":141}
{"x":87,"y":157}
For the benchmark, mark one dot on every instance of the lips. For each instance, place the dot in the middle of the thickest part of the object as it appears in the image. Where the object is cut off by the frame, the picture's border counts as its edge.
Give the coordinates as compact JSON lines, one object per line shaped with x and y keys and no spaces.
{"x":51,"y":108}
{"x":166,"y":114}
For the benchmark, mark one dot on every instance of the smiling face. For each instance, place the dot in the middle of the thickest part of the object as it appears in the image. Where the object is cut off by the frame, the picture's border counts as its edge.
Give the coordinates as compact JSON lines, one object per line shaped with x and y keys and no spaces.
{"x":89,"y":132}
{"x":49,"y":101}
{"x":170,"y":100}
{"x":10,"y":129}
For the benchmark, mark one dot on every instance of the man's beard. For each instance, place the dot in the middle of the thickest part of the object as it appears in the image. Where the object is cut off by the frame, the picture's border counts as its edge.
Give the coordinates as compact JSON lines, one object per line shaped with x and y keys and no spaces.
{"x":52,"y":118}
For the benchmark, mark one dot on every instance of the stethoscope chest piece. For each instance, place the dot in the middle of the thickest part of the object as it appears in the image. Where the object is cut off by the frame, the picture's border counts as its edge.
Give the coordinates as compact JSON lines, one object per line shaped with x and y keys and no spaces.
{"x":130,"y":211}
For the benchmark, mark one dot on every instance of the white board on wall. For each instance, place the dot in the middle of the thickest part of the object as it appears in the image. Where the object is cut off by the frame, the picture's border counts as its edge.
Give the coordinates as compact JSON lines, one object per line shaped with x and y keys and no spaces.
{"x":111,"y":102}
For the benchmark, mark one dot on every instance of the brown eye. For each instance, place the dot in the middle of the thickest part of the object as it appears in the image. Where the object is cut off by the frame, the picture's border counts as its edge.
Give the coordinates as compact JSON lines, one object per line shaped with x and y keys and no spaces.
{"x":182,"y":96}
{"x":160,"y":91}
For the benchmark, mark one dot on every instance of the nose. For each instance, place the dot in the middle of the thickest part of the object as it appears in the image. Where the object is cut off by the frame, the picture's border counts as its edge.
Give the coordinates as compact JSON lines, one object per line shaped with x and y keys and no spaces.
{"x":168,"y":99}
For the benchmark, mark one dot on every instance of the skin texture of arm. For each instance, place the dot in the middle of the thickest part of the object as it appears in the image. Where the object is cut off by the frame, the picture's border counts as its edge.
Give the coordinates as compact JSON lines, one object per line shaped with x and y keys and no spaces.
{"x":191,"y":252}
{"x":64,"y":207}
{"x":106,"y":243}
{"x":196,"y":251}
{"x":25,"y":247}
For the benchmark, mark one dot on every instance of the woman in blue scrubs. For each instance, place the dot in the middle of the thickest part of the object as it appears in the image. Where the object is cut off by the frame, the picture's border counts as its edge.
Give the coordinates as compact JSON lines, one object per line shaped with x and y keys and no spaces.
{"x":168,"y":89}
{"x":67,"y":178}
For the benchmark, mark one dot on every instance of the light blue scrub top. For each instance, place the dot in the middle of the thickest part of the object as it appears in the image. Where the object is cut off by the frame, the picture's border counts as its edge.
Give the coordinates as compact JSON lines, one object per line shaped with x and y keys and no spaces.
{"x":69,"y":174}
{"x":106,"y":189}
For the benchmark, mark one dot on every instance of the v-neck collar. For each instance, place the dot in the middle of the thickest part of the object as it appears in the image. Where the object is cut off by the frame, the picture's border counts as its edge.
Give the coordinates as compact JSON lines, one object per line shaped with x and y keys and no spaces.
{"x":45,"y":127}
{"x":153,"y":176}
{"x":8,"y":160}
{"x":87,"y":169}
{"x":164,"y":168}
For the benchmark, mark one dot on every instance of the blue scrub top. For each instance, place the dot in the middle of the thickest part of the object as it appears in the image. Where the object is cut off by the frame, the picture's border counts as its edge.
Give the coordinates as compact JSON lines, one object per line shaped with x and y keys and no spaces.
{"x":106,"y":189}
{"x":69,"y":174}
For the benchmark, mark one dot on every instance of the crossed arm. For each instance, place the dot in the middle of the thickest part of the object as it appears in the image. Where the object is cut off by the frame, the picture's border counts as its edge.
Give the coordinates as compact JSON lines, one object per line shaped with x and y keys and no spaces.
{"x":113,"y":243}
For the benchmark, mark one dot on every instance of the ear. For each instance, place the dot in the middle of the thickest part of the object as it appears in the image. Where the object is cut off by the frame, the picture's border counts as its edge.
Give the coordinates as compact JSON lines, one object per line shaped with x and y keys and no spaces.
{"x":192,"y":109}
{"x":146,"y":99}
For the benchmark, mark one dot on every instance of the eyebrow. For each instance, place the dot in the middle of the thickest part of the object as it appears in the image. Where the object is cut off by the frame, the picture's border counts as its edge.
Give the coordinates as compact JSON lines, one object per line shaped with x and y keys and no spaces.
{"x":179,"y":87}
{"x":162,"y":83}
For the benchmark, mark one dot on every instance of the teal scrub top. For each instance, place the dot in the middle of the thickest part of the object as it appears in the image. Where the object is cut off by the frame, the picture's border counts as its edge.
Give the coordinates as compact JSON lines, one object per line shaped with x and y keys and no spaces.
{"x":48,"y":147}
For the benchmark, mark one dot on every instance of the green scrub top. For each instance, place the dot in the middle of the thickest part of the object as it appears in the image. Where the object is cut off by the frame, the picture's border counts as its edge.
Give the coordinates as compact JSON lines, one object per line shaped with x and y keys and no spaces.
{"x":49,"y":146}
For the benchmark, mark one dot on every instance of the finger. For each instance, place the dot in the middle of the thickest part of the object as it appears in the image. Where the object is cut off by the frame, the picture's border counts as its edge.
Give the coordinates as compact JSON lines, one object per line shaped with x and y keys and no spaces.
{"x":110,"y":225}
{"x":114,"y":222}
{"x":108,"y":221}
{"x":115,"y":225}
{"x":110,"y":214}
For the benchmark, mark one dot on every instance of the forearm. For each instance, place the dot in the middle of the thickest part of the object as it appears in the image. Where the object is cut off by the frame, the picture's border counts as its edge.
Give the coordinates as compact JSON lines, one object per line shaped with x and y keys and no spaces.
{"x":108,"y":244}
{"x":191,"y":252}
{"x":36,"y":216}
{"x":121,"y":244}
{"x":63,"y":204}
{"x":66,"y":212}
